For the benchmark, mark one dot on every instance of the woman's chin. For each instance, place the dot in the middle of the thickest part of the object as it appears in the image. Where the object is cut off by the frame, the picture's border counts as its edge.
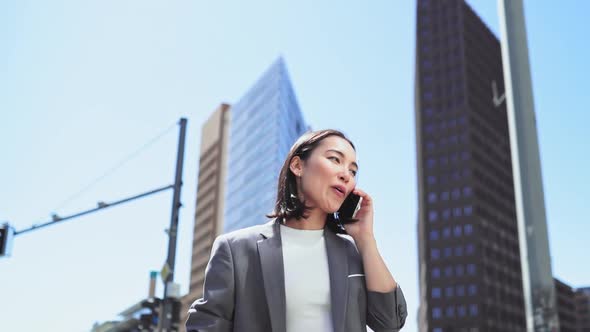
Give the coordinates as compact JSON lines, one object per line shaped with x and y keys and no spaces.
{"x":331,"y":210}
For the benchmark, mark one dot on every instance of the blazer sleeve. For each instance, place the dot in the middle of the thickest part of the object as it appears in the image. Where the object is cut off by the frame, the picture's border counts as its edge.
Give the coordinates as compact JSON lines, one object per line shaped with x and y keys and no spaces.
{"x":386,"y":311}
{"x":214,"y":311}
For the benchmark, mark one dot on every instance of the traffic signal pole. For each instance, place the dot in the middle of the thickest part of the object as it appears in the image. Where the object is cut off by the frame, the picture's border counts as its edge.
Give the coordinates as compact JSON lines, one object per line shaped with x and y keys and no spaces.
{"x":167,"y":321}
{"x":101,"y":205}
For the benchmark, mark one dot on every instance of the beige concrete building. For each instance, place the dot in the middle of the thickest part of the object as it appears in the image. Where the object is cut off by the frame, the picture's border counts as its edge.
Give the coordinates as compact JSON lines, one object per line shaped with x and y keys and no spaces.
{"x":209,"y":203}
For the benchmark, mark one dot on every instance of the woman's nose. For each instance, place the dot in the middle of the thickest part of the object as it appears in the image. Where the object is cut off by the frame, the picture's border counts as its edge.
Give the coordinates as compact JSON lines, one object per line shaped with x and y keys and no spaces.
{"x":344,"y":176}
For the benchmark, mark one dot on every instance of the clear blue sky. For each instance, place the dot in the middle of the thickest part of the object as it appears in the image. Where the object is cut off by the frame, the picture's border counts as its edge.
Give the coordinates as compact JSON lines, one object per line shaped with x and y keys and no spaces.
{"x":85,"y":83}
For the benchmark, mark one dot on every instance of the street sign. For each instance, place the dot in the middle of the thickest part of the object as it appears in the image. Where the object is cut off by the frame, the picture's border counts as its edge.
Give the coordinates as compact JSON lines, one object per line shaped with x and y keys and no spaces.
{"x":165,"y":272}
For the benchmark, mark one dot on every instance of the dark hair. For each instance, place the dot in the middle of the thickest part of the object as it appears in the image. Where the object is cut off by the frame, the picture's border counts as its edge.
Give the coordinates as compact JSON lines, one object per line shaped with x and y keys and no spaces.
{"x":287,"y":204}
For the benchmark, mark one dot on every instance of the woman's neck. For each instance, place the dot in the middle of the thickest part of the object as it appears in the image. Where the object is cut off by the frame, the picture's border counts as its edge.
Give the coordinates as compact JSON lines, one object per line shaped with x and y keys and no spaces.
{"x":316,"y":220}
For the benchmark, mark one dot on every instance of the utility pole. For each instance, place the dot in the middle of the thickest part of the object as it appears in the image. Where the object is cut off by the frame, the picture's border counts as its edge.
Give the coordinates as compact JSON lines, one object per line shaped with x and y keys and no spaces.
{"x":537,"y":278}
{"x":169,"y":310}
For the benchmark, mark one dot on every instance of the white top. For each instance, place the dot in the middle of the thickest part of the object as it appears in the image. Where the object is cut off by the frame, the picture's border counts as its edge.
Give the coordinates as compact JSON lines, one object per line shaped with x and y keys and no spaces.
{"x":307,"y":280}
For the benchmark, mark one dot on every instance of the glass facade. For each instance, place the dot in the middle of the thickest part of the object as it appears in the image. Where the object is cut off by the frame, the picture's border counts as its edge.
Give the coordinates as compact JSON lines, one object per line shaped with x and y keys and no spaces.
{"x":265,"y":123}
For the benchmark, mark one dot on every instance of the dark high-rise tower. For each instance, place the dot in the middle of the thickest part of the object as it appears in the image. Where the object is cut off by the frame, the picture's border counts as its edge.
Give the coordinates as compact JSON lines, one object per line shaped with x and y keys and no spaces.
{"x":470,"y":272}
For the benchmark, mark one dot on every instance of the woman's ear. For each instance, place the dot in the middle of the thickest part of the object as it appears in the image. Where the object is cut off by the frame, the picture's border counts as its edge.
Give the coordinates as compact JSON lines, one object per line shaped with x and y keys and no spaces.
{"x":296,"y":166}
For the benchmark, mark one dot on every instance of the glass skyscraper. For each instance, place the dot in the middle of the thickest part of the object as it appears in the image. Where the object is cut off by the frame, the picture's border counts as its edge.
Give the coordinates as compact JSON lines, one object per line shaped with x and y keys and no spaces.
{"x":264,"y":125}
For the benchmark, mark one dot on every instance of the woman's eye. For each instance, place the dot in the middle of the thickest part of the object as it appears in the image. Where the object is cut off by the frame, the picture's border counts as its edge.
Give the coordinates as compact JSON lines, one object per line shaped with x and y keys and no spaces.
{"x":336,"y":159}
{"x":353,"y":172}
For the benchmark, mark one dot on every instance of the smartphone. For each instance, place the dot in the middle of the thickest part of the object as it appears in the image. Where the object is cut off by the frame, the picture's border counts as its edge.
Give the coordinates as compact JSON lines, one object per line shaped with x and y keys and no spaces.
{"x":349,"y":207}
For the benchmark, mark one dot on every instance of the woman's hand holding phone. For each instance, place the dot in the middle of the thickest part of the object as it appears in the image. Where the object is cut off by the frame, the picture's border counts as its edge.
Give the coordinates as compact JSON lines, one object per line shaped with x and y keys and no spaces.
{"x":362,"y":230}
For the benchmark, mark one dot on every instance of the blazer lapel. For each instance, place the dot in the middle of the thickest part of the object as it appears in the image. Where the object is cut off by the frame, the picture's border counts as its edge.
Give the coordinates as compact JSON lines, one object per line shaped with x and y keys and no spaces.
{"x":338,"y":265}
{"x":273,"y":274}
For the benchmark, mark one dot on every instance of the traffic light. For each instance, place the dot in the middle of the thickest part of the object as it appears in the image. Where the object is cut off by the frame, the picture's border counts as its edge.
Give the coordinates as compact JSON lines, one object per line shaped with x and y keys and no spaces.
{"x":6,"y":235}
{"x":149,"y":321}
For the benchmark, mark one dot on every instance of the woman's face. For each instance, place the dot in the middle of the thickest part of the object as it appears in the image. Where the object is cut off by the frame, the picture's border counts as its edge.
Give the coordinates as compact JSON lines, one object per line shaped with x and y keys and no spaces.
{"x":328,"y":175}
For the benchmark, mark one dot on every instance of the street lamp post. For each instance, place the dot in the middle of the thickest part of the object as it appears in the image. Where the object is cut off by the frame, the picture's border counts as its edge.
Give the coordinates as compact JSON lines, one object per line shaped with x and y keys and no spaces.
{"x":537,"y":278}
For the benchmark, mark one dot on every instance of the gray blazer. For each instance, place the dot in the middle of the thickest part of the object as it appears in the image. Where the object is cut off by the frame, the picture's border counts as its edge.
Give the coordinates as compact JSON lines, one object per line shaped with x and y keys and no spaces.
{"x":244,"y":287}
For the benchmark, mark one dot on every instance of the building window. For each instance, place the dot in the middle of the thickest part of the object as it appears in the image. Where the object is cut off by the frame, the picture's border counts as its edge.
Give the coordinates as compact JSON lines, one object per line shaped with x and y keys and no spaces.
{"x":456,"y":193}
{"x":461,"y":311}
{"x":431,"y":162}
{"x":465,"y":155}
{"x":436,"y":313}
{"x":468,"y":229}
{"x":448,"y":271}
{"x":446,"y":214}
{"x":444,"y":196}
{"x":448,"y":252}
{"x":447,"y":232}
{"x":436,"y":293}
{"x":468,"y":210}
{"x":471,"y":270}
{"x":429,"y":128}
{"x":449,"y":291}
{"x":459,"y":270}
{"x":434,"y":254}
{"x":432,"y":216}
{"x":424,"y":33}
{"x":432,"y":197}
{"x":431,"y":179}
{"x":472,"y":290}
{"x":457,"y":231}
{"x":430,"y":146}
{"x":450,"y":311}
{"x":458,"y":251}
{"x":467,"y":191}
{"x":437,"y":329}
{"x":473,"y":310}
{"x":457,"y":212}
{"x":428,"y":111}
{"x":434,"y":235}
{"x":436,"y":273}
{"x":460,"y":290}
{"x":470,"y":249}
{"x":453,"y":140}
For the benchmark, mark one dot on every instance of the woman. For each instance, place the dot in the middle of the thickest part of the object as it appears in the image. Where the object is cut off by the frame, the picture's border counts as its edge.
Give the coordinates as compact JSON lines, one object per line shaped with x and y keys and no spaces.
{"x":295,"y":273}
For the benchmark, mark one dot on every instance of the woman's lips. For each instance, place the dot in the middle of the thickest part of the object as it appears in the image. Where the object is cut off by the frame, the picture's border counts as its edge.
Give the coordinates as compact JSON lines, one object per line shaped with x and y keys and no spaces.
{"x":338,"y":191}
